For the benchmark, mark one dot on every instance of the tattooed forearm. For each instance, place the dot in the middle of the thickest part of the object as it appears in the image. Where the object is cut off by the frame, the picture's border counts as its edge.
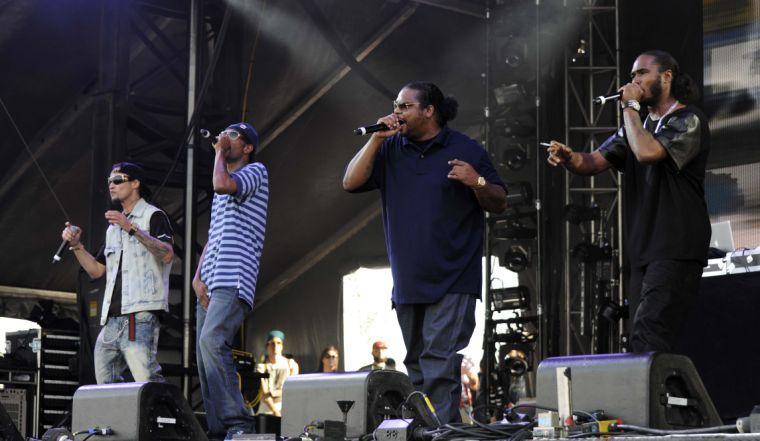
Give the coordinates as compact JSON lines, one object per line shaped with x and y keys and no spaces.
{"x":162,"y":250}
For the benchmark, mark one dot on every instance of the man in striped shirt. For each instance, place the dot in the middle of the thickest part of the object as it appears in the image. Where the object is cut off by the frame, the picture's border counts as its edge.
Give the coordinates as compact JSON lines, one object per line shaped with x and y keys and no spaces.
{"x":225,"y":280}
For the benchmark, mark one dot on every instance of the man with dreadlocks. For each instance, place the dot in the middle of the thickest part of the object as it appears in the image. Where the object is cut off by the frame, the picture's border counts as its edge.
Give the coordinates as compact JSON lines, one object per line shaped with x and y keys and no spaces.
{"x":663,"y":157}
{"x":435,"y":184}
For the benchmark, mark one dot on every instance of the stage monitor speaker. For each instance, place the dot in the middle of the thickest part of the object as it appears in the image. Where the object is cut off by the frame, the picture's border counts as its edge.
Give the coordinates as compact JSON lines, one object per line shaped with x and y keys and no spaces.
{"x":656,"y":390}
{"x":377,"y":395}
{"x":136,"y":412}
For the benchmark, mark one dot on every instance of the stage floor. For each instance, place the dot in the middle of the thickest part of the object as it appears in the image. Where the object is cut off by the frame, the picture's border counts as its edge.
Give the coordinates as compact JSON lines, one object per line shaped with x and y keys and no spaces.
{"x":710,"y":436}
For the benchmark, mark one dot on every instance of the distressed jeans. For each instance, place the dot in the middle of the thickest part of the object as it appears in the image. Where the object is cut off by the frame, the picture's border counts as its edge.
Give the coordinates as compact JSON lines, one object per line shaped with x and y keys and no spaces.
{"x":114,"y":351}
{"x":215,"y":332}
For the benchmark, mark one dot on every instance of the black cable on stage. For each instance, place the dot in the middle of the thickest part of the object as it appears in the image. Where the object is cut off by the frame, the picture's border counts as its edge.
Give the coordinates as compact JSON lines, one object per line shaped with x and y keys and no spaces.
{"x":650,"y":431}
{"x":34,"y":160}
{"x":575,"y":412}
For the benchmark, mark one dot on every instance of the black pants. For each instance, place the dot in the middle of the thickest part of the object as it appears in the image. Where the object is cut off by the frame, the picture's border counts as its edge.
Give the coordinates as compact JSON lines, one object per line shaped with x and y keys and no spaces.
{"x":660,"y":297}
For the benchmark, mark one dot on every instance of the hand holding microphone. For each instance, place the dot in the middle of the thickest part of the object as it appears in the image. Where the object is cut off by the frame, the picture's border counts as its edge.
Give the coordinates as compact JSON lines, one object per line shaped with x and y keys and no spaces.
{"x":386,"y":127}
{"x":71,"y":236}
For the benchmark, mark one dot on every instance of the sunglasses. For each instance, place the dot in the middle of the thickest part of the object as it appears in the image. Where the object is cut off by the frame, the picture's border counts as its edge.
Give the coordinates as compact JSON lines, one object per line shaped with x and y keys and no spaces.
{"x":118,"y":179}
{"x":232,"y":134}
{"x":402,"y":106}
{"x":331,"y":356}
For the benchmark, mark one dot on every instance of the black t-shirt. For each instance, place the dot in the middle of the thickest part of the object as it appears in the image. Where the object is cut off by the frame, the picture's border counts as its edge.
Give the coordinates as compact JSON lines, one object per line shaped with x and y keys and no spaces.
{"x":161,"y":229}
{"x":664,"y":203}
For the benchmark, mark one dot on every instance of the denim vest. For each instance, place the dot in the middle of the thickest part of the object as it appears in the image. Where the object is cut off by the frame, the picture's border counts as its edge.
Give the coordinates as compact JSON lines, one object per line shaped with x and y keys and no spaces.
{"x":144,"y":278}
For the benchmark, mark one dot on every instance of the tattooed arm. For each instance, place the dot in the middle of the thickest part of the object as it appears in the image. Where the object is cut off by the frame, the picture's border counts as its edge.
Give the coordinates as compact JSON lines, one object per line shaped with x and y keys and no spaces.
{"x":160,"y":249}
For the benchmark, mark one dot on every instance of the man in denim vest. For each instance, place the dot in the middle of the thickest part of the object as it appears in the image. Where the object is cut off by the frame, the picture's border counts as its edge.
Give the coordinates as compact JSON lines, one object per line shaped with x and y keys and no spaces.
{"x":136,"y":260}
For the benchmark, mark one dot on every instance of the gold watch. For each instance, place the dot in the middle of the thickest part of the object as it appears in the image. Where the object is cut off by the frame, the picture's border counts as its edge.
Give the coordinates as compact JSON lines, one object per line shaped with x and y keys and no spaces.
{"x":481,"y":182}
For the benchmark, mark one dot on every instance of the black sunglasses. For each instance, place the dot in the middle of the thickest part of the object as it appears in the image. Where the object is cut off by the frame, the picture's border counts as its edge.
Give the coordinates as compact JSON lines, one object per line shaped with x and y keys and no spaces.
{"x":118,"y":179}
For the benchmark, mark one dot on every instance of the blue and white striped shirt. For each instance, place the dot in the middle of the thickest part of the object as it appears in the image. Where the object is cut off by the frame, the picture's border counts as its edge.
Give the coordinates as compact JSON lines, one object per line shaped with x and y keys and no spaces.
{"x":236,"y":234}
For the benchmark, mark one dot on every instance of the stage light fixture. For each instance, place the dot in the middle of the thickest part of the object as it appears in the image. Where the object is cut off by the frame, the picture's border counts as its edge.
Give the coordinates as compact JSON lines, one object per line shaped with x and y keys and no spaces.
{"x":514,"y":158}
{"x":577,"y":214}
{"x":509,"y":95}
{"x":589,"y":253}
{"x":517,"y":123}
{"x":580,"y":52}
{"x":513,"y":229}
{"x":515,"y":362}
{"x":610,"y":311}
{"x":504,"y":299}
{"x":519,"y":193}
{"x":516,"y":259}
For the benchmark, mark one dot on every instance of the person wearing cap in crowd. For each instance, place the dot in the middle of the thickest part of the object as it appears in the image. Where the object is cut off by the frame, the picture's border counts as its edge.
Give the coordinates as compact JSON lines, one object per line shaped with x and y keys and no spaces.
{"x":225,"y":281}
{"x":279,"y":367}
{"x":136,"y":260}
{"x":380,"y":357}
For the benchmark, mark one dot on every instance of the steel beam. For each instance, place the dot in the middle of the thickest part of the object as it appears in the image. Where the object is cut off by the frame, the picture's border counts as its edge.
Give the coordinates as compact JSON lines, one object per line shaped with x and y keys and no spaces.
{"x":459,"y":6}
{"x":18,"y":292}
{"x":295,"y":112}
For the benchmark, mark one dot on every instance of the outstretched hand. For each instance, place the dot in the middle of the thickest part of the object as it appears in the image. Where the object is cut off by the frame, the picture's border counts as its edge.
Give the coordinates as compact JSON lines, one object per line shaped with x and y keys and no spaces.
{"x":559,"y":153}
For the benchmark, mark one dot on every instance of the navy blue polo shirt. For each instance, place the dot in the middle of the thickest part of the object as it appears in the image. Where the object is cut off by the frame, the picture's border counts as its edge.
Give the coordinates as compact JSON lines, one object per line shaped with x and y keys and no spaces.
{"x":433,"y":225}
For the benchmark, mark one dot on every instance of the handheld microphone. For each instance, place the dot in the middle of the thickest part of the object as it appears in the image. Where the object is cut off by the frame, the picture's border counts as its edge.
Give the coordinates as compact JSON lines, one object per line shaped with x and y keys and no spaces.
{"x":361,"y":131}
{"x":601,"y":99}
{"x":57,"y":255}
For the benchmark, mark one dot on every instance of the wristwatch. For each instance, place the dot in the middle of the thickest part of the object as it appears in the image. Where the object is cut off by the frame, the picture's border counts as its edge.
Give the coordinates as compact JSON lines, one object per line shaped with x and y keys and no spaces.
{"x":481,"y":182}
{"x":633,"y":104}
{"x":132,"y":230}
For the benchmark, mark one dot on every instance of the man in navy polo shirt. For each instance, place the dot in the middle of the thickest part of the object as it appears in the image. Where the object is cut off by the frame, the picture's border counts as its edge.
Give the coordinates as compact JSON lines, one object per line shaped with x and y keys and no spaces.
{"x":225,"y":281}
{"x":434,"y":184}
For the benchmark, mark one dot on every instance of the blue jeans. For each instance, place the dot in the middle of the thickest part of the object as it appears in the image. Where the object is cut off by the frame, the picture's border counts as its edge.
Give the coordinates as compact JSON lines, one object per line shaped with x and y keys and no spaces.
{"x":215,"y":333}
{"x":114,"y":352}
{"x":433,"y":334}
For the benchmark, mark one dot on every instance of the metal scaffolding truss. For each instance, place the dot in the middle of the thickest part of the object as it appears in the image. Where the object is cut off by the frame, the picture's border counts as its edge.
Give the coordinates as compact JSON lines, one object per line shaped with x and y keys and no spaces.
{"x":592,"y":248}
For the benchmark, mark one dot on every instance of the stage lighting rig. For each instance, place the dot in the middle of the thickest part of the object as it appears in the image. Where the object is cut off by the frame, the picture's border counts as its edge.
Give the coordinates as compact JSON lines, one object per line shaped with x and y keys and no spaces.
{"x":514,"y":158}
{"x":511,"y":153}
{"x":513,"y":229}
{"x":580,"y":53}
{"x":513,"y":359}
{"x":590,"y":253}
{"x":516,"y":259}
{"x":510,"y":95}
{"x":514,"y":298}
{"x":577,"y":214}
{"x":611,"y":311}
{"x":519,"y":194}
{"x":517,"y":123}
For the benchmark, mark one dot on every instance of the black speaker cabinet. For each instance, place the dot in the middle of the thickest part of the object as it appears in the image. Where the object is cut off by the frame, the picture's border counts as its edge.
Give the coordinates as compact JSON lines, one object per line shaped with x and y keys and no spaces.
{"x":136,"y":412}
{"x":377,"y":395}
{"x":657,"y":390}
